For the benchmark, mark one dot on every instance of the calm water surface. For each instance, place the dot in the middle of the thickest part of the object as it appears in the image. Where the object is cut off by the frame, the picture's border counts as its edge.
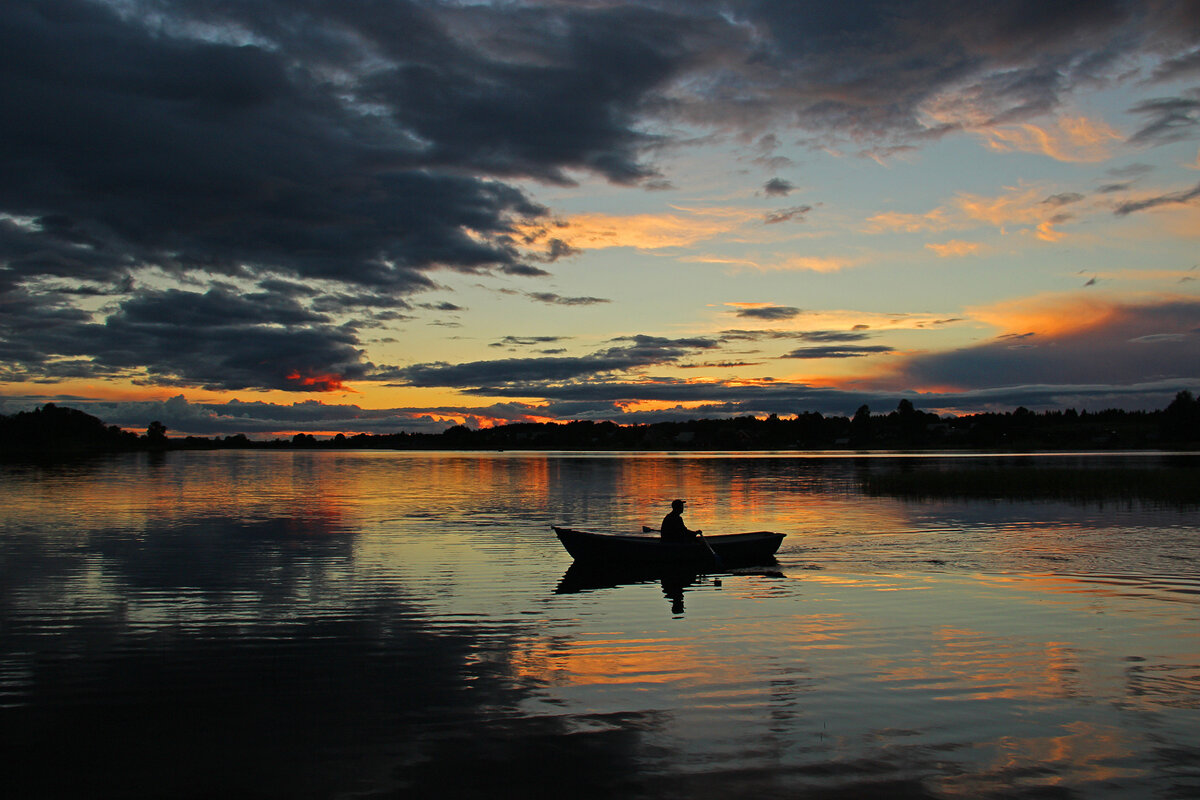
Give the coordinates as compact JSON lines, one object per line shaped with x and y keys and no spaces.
{"x":323,"y":624}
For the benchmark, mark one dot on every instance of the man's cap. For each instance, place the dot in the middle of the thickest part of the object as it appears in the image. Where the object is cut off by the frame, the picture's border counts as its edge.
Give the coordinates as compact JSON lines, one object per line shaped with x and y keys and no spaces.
{"x":678,"y":502}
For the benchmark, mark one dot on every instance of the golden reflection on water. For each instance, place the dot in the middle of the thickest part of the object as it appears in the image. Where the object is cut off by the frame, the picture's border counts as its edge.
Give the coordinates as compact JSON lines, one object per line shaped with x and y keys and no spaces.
{"x":154,"y":491}
{"x":975,"y":680}
{"x":977,"y":665}
{"x":1085,"y":754}
{"x":624,"y":494}
{"x":606,"y":660}
{"x":609,"y":662}
{"x":1043,"y":688}
{"x":1168,"y":588}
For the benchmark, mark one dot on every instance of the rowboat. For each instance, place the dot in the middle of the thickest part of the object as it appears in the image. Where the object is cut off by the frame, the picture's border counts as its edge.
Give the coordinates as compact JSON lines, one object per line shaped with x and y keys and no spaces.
{"x":755,"y":547}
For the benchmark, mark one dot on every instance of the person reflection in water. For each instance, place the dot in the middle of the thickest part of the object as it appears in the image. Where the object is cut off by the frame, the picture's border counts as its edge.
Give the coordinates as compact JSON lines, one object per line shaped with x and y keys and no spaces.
{"x":673,"y":587}
{"x":673,"y":529}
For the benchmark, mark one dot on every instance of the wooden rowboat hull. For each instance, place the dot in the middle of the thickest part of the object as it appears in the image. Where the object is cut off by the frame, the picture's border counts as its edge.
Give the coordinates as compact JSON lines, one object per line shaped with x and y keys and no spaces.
{"x":755,"y":547}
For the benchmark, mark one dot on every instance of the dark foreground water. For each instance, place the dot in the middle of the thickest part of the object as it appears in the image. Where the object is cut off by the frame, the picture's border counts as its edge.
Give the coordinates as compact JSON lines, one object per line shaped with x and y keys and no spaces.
{"x":404,"y":625}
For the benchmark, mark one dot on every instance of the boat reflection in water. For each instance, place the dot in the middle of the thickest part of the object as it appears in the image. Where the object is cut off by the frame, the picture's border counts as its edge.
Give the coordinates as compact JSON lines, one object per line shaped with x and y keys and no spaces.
{"x":584,"y":577}
{"x":605,"y":561}
{"x":675,"y":580}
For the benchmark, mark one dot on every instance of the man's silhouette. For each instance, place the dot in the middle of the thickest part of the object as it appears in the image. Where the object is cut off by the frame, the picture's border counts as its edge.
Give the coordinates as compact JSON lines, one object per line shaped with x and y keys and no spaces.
{"x":673,"y":529}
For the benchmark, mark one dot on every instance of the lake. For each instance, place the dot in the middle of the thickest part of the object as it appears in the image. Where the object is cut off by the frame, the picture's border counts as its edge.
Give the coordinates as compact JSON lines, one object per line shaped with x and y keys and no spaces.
{"x":388,"y":624}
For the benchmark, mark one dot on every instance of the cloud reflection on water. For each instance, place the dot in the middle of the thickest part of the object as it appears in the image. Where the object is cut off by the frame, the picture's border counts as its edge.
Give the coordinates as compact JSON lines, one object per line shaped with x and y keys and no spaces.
{"x":387,"y":625}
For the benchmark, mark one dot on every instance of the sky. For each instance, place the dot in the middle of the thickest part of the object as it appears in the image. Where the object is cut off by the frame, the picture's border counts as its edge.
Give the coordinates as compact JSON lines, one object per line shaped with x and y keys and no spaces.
{"x":342,"y":216}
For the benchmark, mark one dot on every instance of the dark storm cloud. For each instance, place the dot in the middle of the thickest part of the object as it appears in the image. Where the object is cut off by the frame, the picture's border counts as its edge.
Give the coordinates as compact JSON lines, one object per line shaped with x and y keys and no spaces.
{"x":1179,"y":67}
{"x":213,"y":309}
{"x":634,"y":352}
{"x":1015,"y":337}
{"x":724,"y":400}
{"x":660,"y":347}
{"x":260,"y":419}
{"x":196,"y":154}
{"x":350,"y":144}
{"x":778,"y":187}
{"x":1139,"y":354}
{"x":736,"y":335}
{"x":1137,"y":343}
{"x":863,"y":71}
{"x":769,"y":312}
{"x":527,"y":341}
{"x":227,"y":153}
{"x":568,"y":100}
{"x":1062,"y":199}
{"x":54,"y":247}
{"x":557,"y":249}
{"x":501,"y":371}
{"x":839,"y":351}
{"x":39,"y":318}
{"x":221,"y":341}
{"x":523,"y":270}
{"x":833,"y":336}
{"x":1170,"y":119}
{"x":881,"y":62}
{"x":719,"y":365}
{"x":218,"y":340}
{"x":358,"y":147}
{"x":558,"y":300}
{"x":604,"y":401}
{"x":344,"y":302}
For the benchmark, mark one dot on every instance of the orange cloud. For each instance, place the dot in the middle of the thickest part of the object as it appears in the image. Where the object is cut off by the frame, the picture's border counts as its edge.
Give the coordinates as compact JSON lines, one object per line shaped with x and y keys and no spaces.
{"x":1024,"y":207}
{"x":1048,"y":314}
{"x":683,"y":227}
{"x":119,"y":391}
{"x":1063,"y":138}
{"x":1057,"y":331}
{"x":750,"y":305}
{"x":1072,"y":139}
{"x":1047,"y":233}
{"x":792,"y":264}
{"x":664,"y":405}
{"x":812,"y":263}
{"x":931,"y":221}
{"x":1082,"y":339}
{"x":954,"y":247}
{"x":319,"y":382}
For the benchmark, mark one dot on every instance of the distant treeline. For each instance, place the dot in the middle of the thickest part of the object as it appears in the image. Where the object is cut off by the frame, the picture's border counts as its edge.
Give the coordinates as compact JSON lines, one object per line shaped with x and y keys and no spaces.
{"x":55,"y":429}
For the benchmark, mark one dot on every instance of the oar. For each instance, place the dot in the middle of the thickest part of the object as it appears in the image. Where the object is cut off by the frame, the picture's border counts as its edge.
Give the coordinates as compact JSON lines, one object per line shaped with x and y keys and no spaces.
{"x":713,"y":553}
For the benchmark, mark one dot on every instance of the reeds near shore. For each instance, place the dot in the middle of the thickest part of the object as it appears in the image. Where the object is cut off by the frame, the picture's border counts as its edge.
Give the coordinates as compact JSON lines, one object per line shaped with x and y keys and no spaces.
{"x":1175,"y":486}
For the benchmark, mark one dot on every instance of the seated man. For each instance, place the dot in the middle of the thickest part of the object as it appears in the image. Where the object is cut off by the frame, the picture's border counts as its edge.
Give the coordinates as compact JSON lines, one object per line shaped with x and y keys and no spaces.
{"x":673,"y":529}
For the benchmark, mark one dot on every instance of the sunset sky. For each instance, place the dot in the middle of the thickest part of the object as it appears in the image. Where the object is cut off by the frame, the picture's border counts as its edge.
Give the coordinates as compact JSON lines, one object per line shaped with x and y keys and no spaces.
{"x":270,"y":216}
